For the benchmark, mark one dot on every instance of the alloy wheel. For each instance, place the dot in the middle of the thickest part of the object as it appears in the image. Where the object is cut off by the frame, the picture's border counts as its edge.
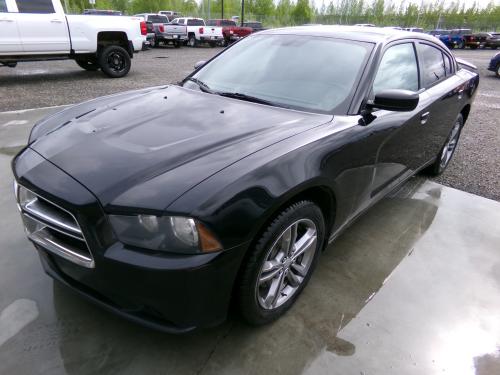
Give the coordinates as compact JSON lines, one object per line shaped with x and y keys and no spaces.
{"x":286,"y":264}
{"x":116,"y":61}
{"x":450,"y":146}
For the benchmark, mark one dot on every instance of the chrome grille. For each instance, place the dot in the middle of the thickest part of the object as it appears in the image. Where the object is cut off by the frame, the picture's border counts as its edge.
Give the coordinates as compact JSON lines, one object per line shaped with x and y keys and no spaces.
{"x":53,"y":228}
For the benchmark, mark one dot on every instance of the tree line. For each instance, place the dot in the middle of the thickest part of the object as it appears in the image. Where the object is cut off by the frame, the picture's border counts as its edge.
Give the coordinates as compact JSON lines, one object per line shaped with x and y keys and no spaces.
{"x":427,"y":15}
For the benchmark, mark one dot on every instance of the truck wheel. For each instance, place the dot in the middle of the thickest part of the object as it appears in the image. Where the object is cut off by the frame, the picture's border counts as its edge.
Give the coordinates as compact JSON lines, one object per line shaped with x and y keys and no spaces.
{"x":89,"y":64}
{"x":192,"y":41}
{"x":114,"y":61}
{"x":154,"y":43}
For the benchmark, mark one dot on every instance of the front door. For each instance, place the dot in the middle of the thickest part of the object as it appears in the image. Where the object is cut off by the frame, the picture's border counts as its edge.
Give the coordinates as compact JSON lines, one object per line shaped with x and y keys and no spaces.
{"x":401,"y":149}
{"x":42,"y":26}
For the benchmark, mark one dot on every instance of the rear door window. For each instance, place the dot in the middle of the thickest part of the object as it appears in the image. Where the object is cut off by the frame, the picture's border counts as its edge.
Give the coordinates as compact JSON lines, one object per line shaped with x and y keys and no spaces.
{"x":433,"y":65}
{"x":195,"y":23}
{"x":35,"y":6}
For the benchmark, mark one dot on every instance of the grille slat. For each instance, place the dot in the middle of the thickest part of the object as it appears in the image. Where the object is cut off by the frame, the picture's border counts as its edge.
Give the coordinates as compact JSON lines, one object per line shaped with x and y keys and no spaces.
{"x":53,"y":228}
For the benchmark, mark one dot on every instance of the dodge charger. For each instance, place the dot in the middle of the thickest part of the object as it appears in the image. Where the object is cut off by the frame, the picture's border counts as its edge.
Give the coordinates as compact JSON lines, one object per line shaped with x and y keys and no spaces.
{"x":166,"y":205}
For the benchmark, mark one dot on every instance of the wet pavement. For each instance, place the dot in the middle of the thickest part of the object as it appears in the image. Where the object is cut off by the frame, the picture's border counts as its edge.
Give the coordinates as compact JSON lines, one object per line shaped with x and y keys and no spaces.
{"x":411,"y":288}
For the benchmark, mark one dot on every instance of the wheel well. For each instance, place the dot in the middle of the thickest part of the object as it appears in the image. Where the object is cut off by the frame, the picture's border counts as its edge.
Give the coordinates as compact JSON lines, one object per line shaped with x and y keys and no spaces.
{"x":465,"y":112}
{"x":191,"y":34}
{"x":113,"y":38}
{"x":322,"y":196}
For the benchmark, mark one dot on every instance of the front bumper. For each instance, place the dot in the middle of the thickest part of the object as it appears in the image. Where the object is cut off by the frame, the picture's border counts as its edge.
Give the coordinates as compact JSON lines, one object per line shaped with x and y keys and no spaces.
{"x":169,"y":292}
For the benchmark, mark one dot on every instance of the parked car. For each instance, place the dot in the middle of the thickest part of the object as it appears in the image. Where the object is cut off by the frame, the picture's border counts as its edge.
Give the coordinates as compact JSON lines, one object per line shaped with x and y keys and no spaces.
{"x":230,"y":31}
{"x":199,"y":33}
{"x":474,"y":41}
{"x":456,"y":38}
{"x":495,"y":64}
{"x":166,"y":225}
{"x":254,"y":25}
{"x":492,"y":40}
{"x":164,"y":31}
{"x":34,"y":30}
{"x":443,"y":36}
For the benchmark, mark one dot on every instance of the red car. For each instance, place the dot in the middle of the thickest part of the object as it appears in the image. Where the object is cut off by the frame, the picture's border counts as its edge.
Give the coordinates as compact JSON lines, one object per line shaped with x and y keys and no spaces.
{"x":230,"y":30}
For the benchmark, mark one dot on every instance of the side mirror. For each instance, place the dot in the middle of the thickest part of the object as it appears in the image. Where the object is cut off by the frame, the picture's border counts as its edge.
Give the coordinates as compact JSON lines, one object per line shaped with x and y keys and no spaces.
{"x":395,"y":100}
{"x":199,"y":64}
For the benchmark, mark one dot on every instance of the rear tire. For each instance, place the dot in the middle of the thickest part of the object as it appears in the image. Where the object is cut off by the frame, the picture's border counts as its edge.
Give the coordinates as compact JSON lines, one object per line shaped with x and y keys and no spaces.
{"x":192,"y":42}
{"x":276,"y":271}
{"x":114,"y":61}
{"x":88,"y":64}
{"x":446,"y":153}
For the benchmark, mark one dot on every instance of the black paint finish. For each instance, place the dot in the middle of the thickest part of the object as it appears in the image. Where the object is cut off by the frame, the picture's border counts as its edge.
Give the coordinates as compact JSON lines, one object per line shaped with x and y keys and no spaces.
{"x":232,"y":165}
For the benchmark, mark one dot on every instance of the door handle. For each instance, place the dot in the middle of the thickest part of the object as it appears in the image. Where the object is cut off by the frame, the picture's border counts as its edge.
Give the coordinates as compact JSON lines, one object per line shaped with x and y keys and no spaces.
{"x":56,"y":20}
{"x":424,"y":117}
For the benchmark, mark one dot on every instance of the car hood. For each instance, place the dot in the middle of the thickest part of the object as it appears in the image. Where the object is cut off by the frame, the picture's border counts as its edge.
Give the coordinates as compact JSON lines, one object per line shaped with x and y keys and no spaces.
{"x":145,"y":149}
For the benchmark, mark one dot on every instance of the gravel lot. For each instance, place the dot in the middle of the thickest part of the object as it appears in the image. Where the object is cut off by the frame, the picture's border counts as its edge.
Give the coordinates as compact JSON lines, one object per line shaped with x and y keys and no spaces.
{"x":474,"y":168}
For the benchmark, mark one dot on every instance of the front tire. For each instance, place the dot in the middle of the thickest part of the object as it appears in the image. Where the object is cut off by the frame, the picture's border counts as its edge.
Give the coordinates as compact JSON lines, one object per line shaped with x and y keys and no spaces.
{"x":281,"y":263}
{"x":448,"y":149}
{"x":114,"y":61}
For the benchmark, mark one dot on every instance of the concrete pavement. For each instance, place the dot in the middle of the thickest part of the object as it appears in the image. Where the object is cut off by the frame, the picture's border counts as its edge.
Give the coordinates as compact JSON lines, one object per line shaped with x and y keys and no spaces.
{"x":411,"y":288}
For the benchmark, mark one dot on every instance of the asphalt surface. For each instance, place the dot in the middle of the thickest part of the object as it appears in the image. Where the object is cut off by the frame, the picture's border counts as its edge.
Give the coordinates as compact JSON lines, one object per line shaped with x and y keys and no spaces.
{"x":474,"y":167}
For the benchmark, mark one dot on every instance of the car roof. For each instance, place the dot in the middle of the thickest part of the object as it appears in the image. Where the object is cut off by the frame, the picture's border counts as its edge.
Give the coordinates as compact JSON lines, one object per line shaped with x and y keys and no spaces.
{"x":358,"y":33}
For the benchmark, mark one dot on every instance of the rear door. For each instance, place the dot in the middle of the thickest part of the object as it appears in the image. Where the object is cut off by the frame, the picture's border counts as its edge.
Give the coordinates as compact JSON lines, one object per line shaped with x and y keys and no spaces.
{"x":445,"y":96}
{"x":42,"y":26}
{"x":10,"y":40}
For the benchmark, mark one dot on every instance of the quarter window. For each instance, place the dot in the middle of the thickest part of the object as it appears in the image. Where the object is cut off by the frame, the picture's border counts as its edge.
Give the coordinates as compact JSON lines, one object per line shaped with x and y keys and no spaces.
{"x":35,"y":6}
{"x":398,"y":69}
{"x":433,"y":64}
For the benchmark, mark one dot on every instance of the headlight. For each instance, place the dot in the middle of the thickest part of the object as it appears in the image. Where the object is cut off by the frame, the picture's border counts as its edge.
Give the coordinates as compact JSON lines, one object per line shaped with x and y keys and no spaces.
{"x":176,"y":234}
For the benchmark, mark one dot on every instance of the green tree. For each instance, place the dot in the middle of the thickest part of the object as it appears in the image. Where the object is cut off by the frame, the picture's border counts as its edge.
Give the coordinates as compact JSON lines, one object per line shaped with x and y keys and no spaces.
{"x":302,"y":12}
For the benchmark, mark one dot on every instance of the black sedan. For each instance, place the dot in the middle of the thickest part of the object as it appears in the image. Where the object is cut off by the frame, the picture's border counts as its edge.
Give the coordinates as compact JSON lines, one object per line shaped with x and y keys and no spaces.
{"x":166,"y":204}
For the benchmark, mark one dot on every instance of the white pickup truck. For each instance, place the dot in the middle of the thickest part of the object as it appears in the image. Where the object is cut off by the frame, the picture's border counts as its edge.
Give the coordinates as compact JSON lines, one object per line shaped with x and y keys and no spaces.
{"x":198,"y":32}
{"x":35,"y":30}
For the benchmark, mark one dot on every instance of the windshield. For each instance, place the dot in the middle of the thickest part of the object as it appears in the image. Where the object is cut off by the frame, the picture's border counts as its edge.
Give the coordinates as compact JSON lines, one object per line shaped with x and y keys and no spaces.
{"x":157,"y":19}
{"x":303,"y":72}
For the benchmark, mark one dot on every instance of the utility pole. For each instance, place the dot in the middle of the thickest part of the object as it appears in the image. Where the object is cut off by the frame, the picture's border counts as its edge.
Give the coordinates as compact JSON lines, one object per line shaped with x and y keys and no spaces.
{"x":242,"y":11}
{"x":222,"y":10}
{"x":208,"y":9}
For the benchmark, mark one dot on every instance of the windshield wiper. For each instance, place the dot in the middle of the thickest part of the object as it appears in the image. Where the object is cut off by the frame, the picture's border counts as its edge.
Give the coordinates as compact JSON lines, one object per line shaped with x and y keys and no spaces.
{"x":248,"y":98}
{"x":202,"y":85}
